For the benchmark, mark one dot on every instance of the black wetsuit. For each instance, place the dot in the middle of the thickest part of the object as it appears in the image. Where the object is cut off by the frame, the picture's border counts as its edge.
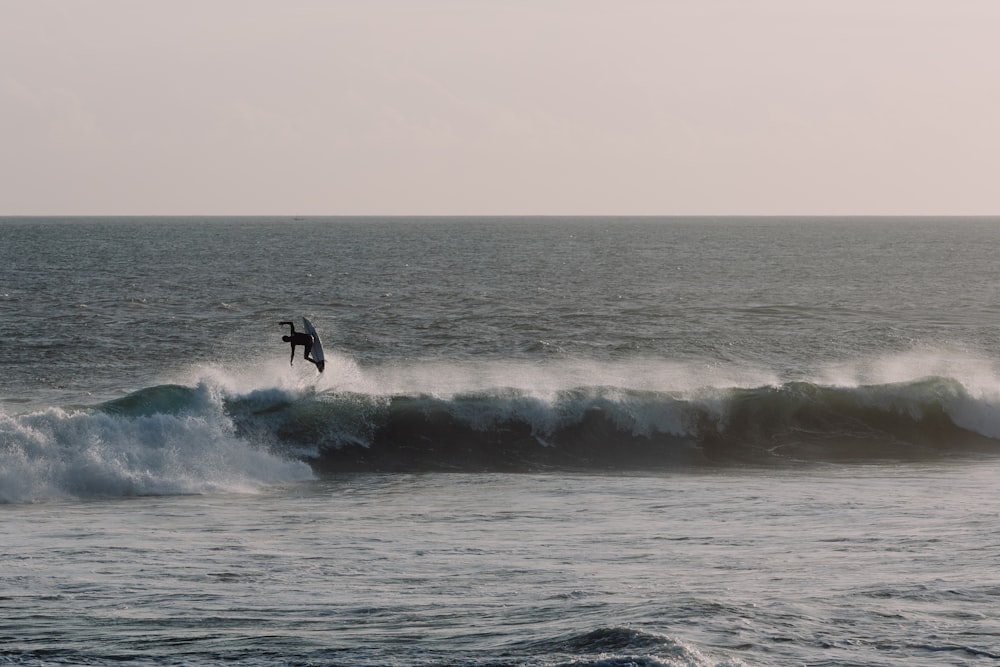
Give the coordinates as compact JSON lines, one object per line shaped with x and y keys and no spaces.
{"x":297,"y":338}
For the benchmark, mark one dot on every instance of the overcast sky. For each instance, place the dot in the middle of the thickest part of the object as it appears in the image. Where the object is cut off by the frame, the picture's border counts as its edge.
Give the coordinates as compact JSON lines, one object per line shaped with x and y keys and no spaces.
{"x":501,"y":107}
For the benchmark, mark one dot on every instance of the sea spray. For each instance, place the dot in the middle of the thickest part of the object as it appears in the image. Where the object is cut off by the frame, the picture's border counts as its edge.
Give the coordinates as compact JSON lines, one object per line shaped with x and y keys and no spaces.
{"x":165,"y":440}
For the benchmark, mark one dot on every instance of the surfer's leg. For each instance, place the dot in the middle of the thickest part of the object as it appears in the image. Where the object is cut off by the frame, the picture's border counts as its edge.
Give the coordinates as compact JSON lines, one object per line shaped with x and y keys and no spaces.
{"x":309,"y":347}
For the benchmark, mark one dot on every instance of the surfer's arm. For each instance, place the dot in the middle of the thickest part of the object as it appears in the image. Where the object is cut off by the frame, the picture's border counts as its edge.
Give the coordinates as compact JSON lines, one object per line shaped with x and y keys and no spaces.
{"x":289,"y":324}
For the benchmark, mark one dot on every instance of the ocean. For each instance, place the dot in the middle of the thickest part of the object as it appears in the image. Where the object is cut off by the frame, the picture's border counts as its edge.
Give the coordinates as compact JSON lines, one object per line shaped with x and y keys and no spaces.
{"x":545,"y":442}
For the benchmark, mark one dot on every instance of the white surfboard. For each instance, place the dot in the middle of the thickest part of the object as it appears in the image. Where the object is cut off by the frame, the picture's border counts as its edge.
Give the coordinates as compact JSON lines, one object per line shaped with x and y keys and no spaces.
{"x":317,"y":348}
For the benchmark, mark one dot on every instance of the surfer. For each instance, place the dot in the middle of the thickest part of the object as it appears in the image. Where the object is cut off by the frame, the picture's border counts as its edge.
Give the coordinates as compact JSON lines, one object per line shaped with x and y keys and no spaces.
{"x":303,"y":339}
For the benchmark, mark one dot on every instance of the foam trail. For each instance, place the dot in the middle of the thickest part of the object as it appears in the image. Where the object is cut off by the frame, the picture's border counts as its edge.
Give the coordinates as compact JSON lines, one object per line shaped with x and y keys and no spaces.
{"x":153,"y":450}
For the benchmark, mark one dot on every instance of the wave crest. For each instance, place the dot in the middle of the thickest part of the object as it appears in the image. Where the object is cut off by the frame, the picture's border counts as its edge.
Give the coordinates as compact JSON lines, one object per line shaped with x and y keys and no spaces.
{"x":614,"y":428}
{"x":170,"y":439}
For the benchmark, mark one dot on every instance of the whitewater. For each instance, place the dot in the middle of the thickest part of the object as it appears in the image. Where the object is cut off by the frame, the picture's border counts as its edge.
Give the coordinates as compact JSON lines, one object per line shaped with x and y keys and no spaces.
{"x":547,"y":441}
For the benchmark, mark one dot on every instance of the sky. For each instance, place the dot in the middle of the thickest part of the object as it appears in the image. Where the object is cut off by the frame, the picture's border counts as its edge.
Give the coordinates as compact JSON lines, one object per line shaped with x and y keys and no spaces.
{"x":499,"y":107}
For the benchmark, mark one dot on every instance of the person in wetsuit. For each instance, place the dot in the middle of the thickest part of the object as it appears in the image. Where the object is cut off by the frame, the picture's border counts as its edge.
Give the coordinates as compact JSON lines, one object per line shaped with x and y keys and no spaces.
{"x":299,"y":338}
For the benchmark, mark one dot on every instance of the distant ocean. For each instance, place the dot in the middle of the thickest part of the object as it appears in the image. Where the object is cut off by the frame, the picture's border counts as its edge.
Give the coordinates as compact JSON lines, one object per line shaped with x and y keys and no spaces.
{"x":537,"y":441}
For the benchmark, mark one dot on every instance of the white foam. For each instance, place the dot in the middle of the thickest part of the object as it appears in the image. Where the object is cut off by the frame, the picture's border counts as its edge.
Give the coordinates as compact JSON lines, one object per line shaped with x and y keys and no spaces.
{"x":81,"y":454}
{"x":271,"y":373}
{"x":975,"y":372}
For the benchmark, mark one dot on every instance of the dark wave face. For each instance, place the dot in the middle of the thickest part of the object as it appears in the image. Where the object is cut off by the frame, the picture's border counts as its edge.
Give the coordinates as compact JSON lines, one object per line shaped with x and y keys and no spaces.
{"x":604,"y":428}
{"x":614,"y":647}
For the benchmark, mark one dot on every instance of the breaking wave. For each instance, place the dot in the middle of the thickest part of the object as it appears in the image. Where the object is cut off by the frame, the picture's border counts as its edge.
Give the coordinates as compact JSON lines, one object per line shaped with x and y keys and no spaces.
{"x":165,"y":440}
{"x":173,"y":438}
{"x":609,"y":428}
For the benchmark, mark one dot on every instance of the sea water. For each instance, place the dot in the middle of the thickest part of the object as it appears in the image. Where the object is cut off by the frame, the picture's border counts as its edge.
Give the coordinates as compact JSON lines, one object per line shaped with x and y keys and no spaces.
{"x":547,"y":441}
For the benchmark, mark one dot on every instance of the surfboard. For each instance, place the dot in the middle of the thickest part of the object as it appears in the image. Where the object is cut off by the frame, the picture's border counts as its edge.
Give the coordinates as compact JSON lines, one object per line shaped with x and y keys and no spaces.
{"x":317,"y":348}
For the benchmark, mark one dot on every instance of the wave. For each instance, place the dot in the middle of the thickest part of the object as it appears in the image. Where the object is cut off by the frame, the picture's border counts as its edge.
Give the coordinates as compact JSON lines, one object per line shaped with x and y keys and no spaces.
{"x":175,"y":438}
{"x":164,"y":440}
{"x":610,"y":428}
{"x":619,"y":646}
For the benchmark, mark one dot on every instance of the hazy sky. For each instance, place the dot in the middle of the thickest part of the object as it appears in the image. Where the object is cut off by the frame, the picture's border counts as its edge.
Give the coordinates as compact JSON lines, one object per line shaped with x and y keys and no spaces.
{"x":499,"y":107}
